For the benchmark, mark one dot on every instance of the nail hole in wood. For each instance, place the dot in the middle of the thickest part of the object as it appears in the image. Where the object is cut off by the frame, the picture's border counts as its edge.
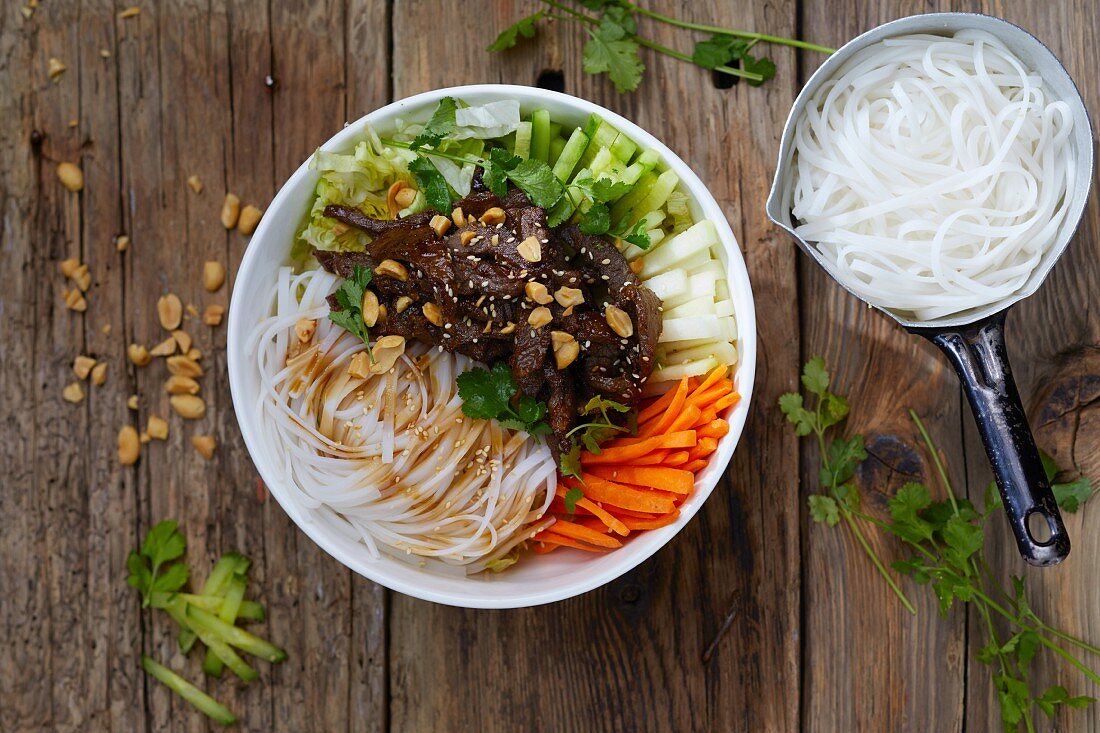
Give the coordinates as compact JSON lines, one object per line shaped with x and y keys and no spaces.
{"x":552,"y":79}
{"x":722,"y":80}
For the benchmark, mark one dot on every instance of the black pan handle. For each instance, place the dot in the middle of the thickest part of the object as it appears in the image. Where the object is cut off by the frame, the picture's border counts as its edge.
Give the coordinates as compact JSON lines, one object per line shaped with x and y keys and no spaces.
{"x":978,"y":353}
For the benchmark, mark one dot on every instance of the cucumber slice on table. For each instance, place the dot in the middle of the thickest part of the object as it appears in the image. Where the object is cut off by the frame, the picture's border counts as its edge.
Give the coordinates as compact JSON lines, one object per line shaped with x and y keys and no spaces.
{"x":204,"y":703}
{"x":540,"y":135}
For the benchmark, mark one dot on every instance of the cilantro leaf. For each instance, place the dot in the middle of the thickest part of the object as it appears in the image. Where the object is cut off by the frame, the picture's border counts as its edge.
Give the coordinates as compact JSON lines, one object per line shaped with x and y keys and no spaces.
{"x":537,"y":180}
{"x":814,"y":376}
{"x":1072,"y":495}
{"x":162,"y":544}
{"x":350,"y":297}
{"x":524,"y":27}
{"x":597,"y":220}
{"x":602,"y":405}
{"x":597,"y":4}
{"x":718,"y":50}
{"x":638,"y":236}
{"x":569,"y":464}
{"x":487,"y":395}
{"x":905,"y":507}
{"x":606,"y":190}
{"x":761,"y":65}
{"x":441,"y":124}
{"x":572,"y":496}
{"x":824,"y":509}
{"x":432,"y":183}
{"x":620,"y":15}
{"x":560,"y":212}
{"x":791,"y":406}
{"x":609,"y":50}
{"x":841,"y":458}
{"x":963,"y":539}
{"x":496,"y":169}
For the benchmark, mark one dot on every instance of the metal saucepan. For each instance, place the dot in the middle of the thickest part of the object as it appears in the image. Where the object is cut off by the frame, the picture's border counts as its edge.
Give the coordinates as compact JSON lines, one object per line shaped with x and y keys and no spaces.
{"x":974,"y":340}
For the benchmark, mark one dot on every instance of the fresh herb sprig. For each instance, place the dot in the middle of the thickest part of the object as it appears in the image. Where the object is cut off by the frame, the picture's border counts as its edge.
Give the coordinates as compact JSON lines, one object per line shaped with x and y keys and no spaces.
{"x":350,"y":297}
{"x":614,"y":43}
{"x":488,"y":395}
{"x":945,"y":542}
{"x":589,"y":435}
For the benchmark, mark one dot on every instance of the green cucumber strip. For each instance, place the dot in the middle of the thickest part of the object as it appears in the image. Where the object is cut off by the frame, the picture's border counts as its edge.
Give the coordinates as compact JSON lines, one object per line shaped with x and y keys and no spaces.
{"x":633,"y":197}
{"x":234,"y":595}
{"x":540,"y":135}
{"x":649,"y":159}
{"x":205,"y":704}
{"x":249,"y":611}
{"x":624,"y":148}
{"x":570,"y":155}
{"x":658,"y":195}
{"x":205,"y":621}
{"x":557,"y":144}
{"x":591,"y":125}
{"x":602,"y":161}
{"x":224,"y":568}
{"x":555,"y":129}
{"x":523,"y":140}
{"x":605,"y":135}
{"x":181,"y":614}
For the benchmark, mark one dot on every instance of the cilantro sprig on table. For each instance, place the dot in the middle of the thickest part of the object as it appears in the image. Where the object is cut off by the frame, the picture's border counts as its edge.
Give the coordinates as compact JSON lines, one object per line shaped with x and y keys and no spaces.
{"x":614,"y":43}
{"x":210,"y":616}
{"x":350,"y":297}
{"x":944,"y":542}
{"x":488,"y":395}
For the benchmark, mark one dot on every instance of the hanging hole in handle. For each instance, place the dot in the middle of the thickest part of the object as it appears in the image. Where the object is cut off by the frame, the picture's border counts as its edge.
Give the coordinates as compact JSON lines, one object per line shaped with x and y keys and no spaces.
{"x":1040,"y":527}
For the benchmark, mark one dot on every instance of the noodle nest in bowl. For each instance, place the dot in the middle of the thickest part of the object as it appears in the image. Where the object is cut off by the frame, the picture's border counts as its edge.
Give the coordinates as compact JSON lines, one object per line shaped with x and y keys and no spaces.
{"x":932,"y":172}
{"x":388,"y":459}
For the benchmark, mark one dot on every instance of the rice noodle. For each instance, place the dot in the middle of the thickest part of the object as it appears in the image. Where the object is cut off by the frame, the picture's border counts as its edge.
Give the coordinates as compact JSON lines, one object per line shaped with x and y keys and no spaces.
{"x":933,"y":173}
{"x":390,"y":460}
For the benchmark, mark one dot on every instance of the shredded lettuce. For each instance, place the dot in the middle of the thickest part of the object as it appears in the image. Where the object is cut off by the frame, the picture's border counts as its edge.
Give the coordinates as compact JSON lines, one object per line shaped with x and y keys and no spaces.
{"x":679,"y":211}
{"x":495,"y":119}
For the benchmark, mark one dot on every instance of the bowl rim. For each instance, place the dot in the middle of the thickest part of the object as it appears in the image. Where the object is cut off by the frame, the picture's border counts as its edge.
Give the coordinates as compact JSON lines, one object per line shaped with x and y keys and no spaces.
{"x":628,"y":557}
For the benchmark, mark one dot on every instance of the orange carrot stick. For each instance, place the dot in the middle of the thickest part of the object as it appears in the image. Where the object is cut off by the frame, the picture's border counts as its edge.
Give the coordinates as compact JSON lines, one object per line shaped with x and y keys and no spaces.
{"x":580,"y":532}
{"x":660,"y":425}
{"x":716,"y":374}
{"x":684,"y":421}
{"x":705,"y":447}
{"x":656,"y":477}
{"x":655,"y":408}
{"x":695,"y":466}
{"x":661,"y":521}
{"x":708,"y":416}
{"x":677,"y":458}
{"x":610,"y":493}
{"x":619,"y":453}
{"x":559,"y":539}
{"x":713,"y":429}
{"x":723,"y":402}
{"x":543,"y":548}
{"x":652,"y":459}
{"x":587,"y":506}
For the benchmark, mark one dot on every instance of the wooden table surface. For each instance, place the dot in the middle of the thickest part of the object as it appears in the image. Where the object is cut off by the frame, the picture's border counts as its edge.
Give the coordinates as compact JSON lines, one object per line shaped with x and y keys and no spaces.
{"x":816,"y":642}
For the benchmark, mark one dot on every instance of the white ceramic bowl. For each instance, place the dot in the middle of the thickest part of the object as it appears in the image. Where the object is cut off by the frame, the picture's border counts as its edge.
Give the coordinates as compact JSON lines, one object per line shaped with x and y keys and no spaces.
{"x":536,"y":579}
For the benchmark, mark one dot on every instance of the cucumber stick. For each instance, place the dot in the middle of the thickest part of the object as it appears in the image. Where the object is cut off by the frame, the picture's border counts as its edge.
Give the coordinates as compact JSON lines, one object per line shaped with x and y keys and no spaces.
{"x":657,"y":196}
{"x":626,"y":204}
{"x":557,"y":144}
{"x":234,"y":596}
{"x":181,"y":614}
{"x":591,"y":125}
{"x":205,"y":704}
{"x":523,"y":140}
{"x":555,"y":129}
{"x":233,"y":635}
{"x":570,"y":155}
{"x":227,"y":565}
{"x":624,"y":148}
{"x":540,"y":135}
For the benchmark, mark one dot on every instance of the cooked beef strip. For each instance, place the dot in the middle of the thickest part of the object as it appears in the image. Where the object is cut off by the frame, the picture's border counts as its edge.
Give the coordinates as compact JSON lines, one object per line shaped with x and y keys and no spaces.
{"x":481,"y":284}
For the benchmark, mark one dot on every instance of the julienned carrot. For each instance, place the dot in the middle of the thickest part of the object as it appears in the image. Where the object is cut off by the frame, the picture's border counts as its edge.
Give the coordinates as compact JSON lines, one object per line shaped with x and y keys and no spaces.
{"x":711,"y":395}
{"x":677,"y":458}
{"x":659,"y":405}
{"x":723,"y":402}
{"x":621,"y":513}
{"x":617,"y":453}
{"x":661,"y":521}
{"x":543,"y":548}
{"x":713,"y":429}
{"x":659,"y":425}
{"x":652,"y":459}
{"x":705,"y":447}
{"x":559,"y":539}
{"x":580,"y":532}
{"x":610,"y":493}
{"x":686,"y":420}
{"x":587,"y":506}
{"x":694,"y":466}
{"x":655,"y":477}
{"x":708,"y":416}
{"x":713,"y":378}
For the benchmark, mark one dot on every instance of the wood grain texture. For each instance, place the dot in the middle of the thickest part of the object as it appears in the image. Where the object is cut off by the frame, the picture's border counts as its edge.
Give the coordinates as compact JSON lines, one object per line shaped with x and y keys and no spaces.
{"x":816,"y":640}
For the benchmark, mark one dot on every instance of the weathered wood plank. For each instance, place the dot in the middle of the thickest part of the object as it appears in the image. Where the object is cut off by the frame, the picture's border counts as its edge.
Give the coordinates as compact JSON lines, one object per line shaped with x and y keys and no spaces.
{"x":869,"y":664}
{"x":1053,"y":338}
{"x":629,"y":656}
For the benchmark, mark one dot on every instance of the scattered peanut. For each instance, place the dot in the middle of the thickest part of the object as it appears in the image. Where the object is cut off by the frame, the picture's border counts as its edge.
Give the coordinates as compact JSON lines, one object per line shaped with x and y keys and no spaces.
{"x":530,"y":249}
{"x":359,"y":367}
{"x":566,"y":348}
{"x":195,"y":183}
{"x":106,"y":329}
{"x":466,"y":236}
{"x":213,"y":275}
{"x":189,"y":407}
{"x":183,"y":339}
{"x":132,"y":402}
{"x":619,"y":321}
{"x":71,"y":176}
{"x":72,"y":393}
{"x":369,"y":308}
{"x":74,"y":300}
{"x":191,"y":310}
{"x":157,"y":428}
{"x":177,"y":384}
{"x":433,"y":314}
{"x":511,"y":327}
{"x":212,"y":316}
{"x":205,"y":445}
{"x":458,"y":217}
{"x":493,"y":215}
{"x":170,"y":311}
{"x":129,"y":445}
{"x":122,"y":242}
{"x":539,"y":317}
{"x":387,"y":350}
{"x":231,"y":210}
{"x":82,"y":366}
{"x":99,"y":374}
{"x":194,"y":354}
{"x":392,"y":268}
{"x":304,"y":329}
{"x":56,"y":68}
{"x":144,"y":437}
{"x":402,"y":303}
{"x":250,"y":217}
{"x":440,"y":224}
{"x":139,"y":355}
{"x":167,"y":347}
{"x":184,"y":366}
{"x":537,"y":292}
{"x":568,"y":297}
{"x":129,"y":12}
{"x":405,"y":197}
{"x":82,"y":278}
{"x":68,"y":267}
